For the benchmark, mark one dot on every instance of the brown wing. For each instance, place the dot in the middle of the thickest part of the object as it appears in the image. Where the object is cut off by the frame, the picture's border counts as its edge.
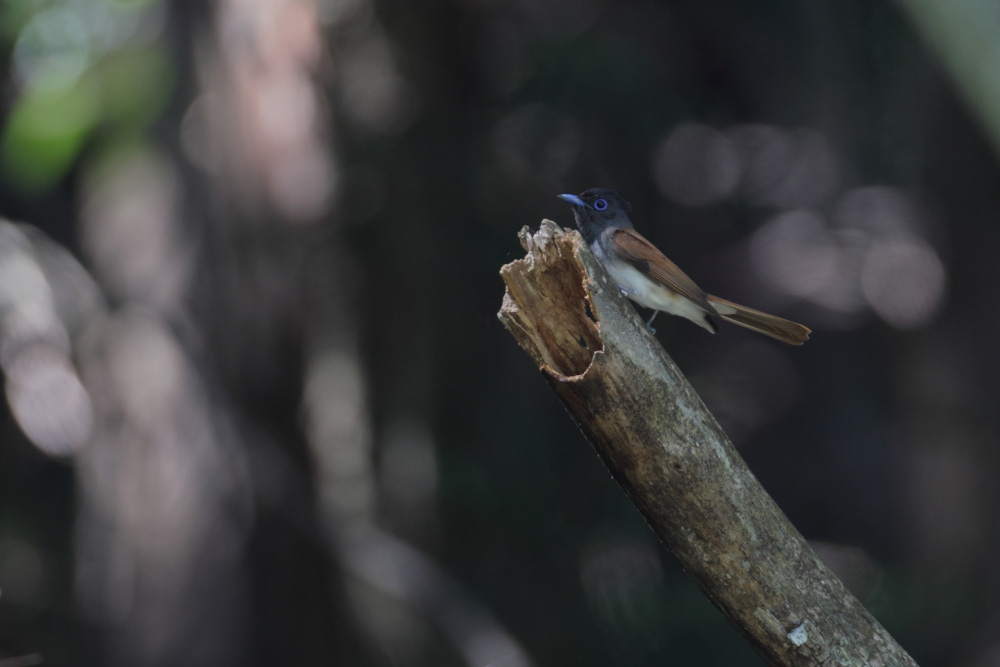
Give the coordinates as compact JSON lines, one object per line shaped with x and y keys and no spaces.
{"x":643,"y":255}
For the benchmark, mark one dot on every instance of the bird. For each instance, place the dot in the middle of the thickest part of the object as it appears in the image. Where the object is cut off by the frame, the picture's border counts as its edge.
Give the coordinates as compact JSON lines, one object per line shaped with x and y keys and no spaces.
{"x":647,"y":277}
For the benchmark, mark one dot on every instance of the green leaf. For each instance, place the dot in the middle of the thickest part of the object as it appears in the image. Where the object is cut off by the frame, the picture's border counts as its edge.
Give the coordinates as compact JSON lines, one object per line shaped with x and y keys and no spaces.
{"x":45,"y":132}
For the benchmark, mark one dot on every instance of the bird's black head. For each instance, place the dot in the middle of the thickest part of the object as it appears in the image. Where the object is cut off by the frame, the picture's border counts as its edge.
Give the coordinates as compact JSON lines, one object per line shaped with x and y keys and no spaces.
{"x":597,"y":209}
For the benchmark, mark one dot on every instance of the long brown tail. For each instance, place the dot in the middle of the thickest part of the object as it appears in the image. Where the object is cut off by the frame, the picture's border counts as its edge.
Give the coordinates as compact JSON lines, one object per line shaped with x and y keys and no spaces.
{"x":784,"y":330}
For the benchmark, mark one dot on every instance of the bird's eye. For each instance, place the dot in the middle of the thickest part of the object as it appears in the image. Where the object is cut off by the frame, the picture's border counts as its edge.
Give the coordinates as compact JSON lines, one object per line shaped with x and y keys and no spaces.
{"x":600,"y":204}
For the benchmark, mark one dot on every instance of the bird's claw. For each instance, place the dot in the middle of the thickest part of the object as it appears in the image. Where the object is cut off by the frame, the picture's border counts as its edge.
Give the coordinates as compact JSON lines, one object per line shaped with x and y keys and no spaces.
{"x":649,"y":322}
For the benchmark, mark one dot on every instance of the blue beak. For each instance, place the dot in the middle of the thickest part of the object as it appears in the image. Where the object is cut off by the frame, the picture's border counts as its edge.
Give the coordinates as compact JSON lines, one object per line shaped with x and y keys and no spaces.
{"x":574,"y":200}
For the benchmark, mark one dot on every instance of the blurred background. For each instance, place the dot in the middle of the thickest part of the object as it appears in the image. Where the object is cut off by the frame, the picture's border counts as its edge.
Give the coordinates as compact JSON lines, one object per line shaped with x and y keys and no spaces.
{"x":259,"y":409}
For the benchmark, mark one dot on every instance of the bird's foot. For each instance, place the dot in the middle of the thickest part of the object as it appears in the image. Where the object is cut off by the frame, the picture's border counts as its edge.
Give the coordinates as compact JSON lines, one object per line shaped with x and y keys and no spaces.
{"x":649,"y":324}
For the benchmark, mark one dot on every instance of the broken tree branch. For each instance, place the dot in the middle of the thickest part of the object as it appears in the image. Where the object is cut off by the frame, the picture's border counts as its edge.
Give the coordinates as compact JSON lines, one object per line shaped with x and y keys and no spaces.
{"x":674,"y":462}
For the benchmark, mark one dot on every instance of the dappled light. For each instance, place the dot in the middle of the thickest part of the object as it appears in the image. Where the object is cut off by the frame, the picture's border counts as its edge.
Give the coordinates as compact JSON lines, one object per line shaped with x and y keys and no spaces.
{"x":257,"y":408}
{"x":373,"y":95}
{"x":697,"y":165}
{"x":48,"y":401}
{"x":796,"y":253}
{"x":866,"y":248}
{"x":904,"y":282}
{"x":265,"y":114}
{"x":786,"y":167}
{"x":43,"y":388}
{"x":335,"y":404}
{"x":78,"y":65}
{"x":871,"y":254}
{"x":128,"y":228}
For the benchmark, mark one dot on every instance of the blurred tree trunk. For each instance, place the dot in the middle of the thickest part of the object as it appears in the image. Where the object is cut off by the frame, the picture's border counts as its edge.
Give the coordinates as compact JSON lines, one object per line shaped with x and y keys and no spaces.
{"x":206,"y":498}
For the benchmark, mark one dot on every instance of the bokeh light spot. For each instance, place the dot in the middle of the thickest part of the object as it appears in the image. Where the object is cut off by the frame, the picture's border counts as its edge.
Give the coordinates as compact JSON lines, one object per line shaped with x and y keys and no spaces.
{"x":879,"y":211}
{"x":795,"y":253}
{"x":54,"y":49}
{"x":372,"y":93}
{"x":904,"y":282}
{"x":44,"y":133}
{"x":128,"y":213}
{"x":48,"y":400}
{"x":696,"y":166}
{"x":791,"y":169}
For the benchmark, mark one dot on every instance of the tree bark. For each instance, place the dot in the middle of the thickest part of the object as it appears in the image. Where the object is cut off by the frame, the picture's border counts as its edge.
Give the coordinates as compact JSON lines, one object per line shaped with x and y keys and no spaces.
{"x":668,"y":453}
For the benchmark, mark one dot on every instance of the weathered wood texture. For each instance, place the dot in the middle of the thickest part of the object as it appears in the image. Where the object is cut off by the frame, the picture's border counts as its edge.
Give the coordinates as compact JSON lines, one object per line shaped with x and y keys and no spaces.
{"x":668,"y":453}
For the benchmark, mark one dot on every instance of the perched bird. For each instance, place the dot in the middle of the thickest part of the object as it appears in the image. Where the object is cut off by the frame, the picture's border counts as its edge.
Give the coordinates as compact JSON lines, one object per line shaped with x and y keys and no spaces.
{"x":647,"y":277}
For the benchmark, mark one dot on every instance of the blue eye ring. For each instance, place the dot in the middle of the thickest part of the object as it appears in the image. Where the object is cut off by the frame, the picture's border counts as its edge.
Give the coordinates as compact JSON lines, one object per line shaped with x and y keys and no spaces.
{"x":600,"y":204}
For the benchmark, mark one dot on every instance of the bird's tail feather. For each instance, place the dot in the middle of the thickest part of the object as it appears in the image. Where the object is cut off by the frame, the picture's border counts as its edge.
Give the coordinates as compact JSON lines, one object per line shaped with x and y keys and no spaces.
{"x":784,"y":330}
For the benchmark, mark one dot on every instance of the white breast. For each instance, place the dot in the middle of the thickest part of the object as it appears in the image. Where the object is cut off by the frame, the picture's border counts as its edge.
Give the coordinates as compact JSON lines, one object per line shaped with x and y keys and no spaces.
{"x":650,"y":294}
